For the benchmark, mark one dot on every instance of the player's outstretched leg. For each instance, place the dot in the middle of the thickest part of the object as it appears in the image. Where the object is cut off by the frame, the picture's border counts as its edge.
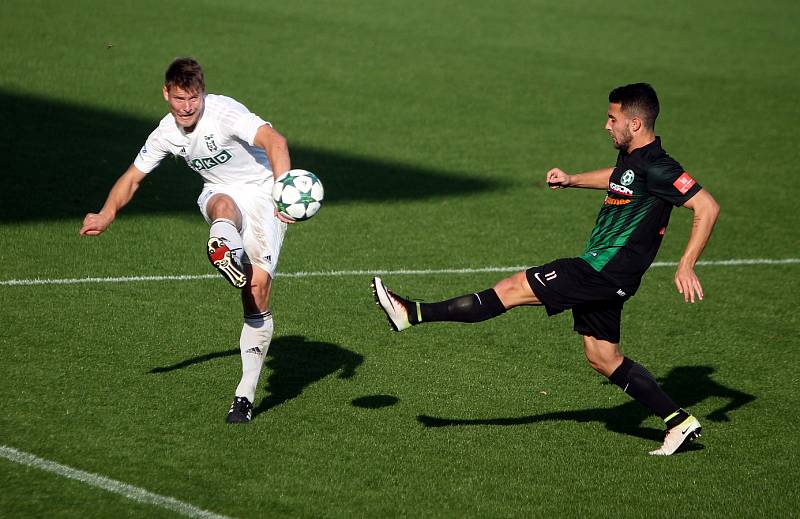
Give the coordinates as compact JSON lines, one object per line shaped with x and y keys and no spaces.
{"x":403,"y":313}
{"x":254,"y":342}
{"x":225,"y":250}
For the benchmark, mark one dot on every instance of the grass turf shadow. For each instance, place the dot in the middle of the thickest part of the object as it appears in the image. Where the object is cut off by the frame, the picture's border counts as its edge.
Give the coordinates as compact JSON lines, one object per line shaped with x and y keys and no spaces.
{"x":374,"y":401}
{"x":687,"y":385}
{"x":64,"y":158}
{"x":293,"y":363}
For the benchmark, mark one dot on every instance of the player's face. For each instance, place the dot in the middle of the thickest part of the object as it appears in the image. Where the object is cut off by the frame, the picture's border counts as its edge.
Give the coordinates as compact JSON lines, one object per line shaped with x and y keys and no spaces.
{"x":618,"y":126}
{"x":185,"y":106}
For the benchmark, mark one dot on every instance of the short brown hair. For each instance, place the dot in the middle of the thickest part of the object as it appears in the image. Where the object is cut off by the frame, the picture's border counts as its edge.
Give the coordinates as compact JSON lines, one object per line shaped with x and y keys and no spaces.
{"x":185,"y":73}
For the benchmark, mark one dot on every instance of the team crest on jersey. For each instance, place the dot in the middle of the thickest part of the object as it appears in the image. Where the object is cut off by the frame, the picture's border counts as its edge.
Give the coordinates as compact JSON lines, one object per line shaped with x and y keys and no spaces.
{"x":212,"y":146}
{"x":627,"y":178}
{"x":210,"y":162}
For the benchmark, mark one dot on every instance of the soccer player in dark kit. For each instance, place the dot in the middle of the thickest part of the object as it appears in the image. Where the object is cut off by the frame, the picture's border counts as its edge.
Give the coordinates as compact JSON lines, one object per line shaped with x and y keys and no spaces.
{"x":640,"y":192}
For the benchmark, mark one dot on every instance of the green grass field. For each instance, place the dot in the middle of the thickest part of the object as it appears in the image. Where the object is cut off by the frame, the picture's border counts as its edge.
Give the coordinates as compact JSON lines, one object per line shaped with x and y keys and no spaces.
{"x":432,"y":125}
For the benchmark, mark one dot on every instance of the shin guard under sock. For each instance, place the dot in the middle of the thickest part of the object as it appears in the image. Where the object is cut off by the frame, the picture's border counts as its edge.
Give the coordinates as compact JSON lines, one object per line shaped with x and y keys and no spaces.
{"x":635,"y":380}
{"x":253,"y":343}
{"x":470,"y":308}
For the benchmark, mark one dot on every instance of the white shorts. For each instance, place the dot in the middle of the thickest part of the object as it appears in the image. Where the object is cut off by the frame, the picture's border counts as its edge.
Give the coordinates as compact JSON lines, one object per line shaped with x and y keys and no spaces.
{"x":262,"y":233}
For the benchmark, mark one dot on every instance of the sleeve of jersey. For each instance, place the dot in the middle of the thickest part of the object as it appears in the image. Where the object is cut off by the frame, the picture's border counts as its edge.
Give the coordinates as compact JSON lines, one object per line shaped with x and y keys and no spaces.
{"x":668,"y":180}
{"x":151,"y":154}
{"x":241,"y":122}
{"x":247,"y":125}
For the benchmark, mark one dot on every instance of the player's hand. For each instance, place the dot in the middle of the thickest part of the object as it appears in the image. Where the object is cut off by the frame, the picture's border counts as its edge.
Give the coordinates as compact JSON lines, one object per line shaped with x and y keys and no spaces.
{"x":283,"y":218}
{"x":557,"y":179}
{"x":95,"y":223}
{"x":688,"y":284}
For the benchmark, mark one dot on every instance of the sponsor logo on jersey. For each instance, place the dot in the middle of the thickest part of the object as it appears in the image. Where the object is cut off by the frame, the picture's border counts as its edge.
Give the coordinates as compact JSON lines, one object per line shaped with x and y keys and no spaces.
{"x":620,"y":190}
{"x":210,"y":144}
{"x":616,"y":201}
{"x":183,"y":151}
{"x":684,"y":183}
{"x":621,"y":293}
{"x":627,"y":178}
{"x":202,"y":163}
{"x":143,"y":151}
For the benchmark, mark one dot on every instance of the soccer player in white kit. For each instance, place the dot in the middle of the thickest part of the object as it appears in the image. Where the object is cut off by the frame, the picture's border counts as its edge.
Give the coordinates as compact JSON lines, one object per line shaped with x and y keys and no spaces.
{"x":239,"y":155}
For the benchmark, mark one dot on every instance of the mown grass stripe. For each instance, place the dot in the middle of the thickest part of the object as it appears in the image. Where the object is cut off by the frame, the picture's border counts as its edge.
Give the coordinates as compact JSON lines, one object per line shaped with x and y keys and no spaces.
{"x":372,"y":272}
{"x":117,"y":487}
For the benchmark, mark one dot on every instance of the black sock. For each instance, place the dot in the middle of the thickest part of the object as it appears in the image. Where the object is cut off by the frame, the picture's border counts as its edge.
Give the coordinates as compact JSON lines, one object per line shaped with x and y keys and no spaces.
{"x":635,"y":380}
{"x":470,"y":308}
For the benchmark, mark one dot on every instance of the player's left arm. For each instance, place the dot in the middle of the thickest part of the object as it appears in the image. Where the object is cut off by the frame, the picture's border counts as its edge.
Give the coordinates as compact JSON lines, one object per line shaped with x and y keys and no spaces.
{"x":706,"y":210}
{"x":277,"y":149}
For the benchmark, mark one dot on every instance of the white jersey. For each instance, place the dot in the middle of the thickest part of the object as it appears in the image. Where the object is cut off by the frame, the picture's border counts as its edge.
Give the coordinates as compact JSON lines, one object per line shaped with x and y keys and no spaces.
{"x":220,"y":148}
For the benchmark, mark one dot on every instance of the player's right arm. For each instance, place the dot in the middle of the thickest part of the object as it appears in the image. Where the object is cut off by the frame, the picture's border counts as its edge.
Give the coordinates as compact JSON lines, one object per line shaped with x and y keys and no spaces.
{"x":597,"y":179}
{"x":119,"y":196}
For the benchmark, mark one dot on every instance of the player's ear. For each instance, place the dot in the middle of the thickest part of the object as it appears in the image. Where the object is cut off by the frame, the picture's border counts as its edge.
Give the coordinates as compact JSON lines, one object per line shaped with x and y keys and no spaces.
{"x":636,"y":124}
{"x":166,"y":93}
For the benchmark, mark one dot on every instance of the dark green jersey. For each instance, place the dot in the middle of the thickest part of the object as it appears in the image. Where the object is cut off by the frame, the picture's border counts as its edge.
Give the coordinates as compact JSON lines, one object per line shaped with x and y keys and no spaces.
{"x":642,"y":190}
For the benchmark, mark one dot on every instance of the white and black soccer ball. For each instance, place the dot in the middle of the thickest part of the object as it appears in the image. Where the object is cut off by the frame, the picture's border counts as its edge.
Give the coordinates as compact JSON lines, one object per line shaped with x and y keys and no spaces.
{"x":298,"y":194}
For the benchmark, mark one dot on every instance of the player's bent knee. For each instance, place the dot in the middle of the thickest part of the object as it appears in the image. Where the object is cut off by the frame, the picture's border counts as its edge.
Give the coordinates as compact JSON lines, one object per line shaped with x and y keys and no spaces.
{"x":515,"y":291}
{"x":223,"y":206}
{"x":604,"y":357}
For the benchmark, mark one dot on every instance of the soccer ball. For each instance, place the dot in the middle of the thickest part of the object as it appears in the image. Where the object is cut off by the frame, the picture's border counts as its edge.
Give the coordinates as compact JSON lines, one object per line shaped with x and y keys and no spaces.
{"x":297,"y":194}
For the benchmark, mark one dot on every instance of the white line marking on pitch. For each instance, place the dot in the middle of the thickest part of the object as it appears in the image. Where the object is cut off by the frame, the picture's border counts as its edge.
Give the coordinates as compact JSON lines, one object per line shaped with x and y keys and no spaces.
{"x":382,"y":272}
{"x":131,"y":492}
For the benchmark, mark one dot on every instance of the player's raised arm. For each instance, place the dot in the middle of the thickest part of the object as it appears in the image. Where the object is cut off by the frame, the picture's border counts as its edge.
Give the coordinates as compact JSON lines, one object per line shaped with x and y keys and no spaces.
{"x":120,"y":194}
{"x":597,"y":179}
{"x":706,"y":211}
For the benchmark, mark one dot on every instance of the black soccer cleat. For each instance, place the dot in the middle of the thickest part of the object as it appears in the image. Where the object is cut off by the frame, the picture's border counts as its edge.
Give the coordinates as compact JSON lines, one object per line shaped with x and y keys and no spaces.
{"x":241,"y":410}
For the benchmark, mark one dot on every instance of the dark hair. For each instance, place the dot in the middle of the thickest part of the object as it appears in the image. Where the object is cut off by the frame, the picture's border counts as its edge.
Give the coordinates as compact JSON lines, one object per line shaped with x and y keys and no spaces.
{"x":185,"y":73}
{"x":637,"y":99}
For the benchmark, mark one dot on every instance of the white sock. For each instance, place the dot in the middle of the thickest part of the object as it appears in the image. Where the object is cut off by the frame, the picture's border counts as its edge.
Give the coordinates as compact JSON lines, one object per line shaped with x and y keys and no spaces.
{"x":253,"y":343}
{"x":225,"y":229}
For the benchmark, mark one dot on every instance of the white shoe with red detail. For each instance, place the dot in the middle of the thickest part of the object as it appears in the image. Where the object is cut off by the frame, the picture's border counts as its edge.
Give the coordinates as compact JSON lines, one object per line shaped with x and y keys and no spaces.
{"x":224,"y":260}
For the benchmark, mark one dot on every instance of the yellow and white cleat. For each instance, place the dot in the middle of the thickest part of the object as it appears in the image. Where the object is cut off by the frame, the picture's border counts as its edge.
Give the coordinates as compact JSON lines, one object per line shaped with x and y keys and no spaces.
{"x":682,"y":434}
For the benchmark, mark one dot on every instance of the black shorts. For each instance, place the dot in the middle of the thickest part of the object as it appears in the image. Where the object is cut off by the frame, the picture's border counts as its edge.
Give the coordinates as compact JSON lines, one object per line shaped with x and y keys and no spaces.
{"x":595,"y":300}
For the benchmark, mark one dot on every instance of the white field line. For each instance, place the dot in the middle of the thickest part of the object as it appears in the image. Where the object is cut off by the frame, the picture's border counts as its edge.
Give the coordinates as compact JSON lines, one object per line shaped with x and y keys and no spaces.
{"x":117,"y":487}
{"x":372,"y":272}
